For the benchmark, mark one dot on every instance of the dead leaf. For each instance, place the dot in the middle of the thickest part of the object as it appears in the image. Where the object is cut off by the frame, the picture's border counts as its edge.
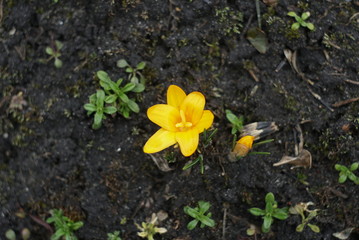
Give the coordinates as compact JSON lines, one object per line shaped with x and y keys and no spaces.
{"x":258,"y":39}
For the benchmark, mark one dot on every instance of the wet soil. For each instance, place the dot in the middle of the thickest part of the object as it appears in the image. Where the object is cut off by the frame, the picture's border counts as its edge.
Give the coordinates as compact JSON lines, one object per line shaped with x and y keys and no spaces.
{"x":50,"y":157}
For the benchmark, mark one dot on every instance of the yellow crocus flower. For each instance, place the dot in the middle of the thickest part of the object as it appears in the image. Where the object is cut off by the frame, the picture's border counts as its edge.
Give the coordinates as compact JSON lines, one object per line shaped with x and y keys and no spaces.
{"x":181,"y":120}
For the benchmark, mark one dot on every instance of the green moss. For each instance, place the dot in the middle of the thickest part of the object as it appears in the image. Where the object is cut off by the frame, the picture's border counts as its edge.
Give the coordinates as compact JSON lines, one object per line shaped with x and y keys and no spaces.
{"x":230,"y":20}
{"x":291,"y":33}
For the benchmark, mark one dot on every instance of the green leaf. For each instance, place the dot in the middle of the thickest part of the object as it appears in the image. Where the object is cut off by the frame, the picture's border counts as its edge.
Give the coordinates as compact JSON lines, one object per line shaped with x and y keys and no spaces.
{"x":59,"y":45}
{"x":292,"y":14}
{"x":110,"y":110}
{"x":269,"y":198}
{"x":310,"y":26}
{"x":269,"y":207}
{"x":305,"y":15}
{"x":58,"y":234}
{"x":97,"y":120}
{"x":100,"y":98}
{"x":128,"y":87}
{"x":267,"y":222}
{"x":190,"y":211}
{"x":204,"y":206}
{"x":352,"y":176}
{"x":354,"y":166}
{"x":58,"y":63}
{"x":138,"y":88}
{"x":92,"y":98}
{"x":295,"y":26}
{"x":111,"y":98}
{"x":257,"y":211}
{"x":49,"y":51}
{"x":10,"y":234}
{"x":122,"y":63}
{"x":231,"y":117}
{"x":119,"y":81}
{"x":342,"y":178}
{"x":258,"y":39}
{"x":192,"y":224}
{"x":338,"y":167}
{"x":281,"y":214}
{"x":129,"y":69}
{"x":300,"y":227}
{"x":314,"y":228}
{"x":77,"y":225}
{"x":141,"y":66}
{"x":102,"y":75}
{"x":134,"y":79}
{"x":123,"y":97}
{"x":133,"y":106}
{"x":206,"y":221}
{"x":90,"y":107}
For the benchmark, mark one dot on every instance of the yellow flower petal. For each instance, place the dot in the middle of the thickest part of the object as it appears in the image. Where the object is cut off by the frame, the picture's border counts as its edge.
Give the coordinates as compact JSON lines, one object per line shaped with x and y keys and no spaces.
{"x":188,"y":141}
{"x":193,"y":106}
{"x":160,"y":140}
{"x":165,"y":116}
{"x":175,"y":96}
{"x":205,"y":122}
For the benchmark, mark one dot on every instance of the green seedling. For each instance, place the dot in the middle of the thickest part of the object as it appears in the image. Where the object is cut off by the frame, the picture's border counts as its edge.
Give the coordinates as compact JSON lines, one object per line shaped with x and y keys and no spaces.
{"x":114,"y":236}
{"x":135,"y":76}
{"x":205,"y":142}
{"x":54,"y":52}
{"x":300,"y":209}
{"x":301,"y":21}
{"x":97,"y":106}
{"x":64,"y":227}
{"x":237,"y":122}
{"x":148,"y":230}
{"x":346,"y":173}
{"x":199,"y":215}
{"x":271,"y":211}
{"x":117,"y":93}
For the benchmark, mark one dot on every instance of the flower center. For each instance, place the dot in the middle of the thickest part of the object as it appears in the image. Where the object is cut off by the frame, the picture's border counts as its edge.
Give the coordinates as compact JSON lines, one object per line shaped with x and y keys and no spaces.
{"x":183,"y":125}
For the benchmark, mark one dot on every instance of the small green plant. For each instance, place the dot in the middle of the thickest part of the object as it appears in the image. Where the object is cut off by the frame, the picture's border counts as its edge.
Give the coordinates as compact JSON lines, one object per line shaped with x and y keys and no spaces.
{"x":97,"y":106}
{"x":301,"y":21}
{"x":271,"y":211}
{"x":237,"y":122}
{"x":114,"y":236}
{"x":118,"y":94}
{"x":64,"y":227}
{"x":135,"y":76}
{"x":55,"y":53}
{"x":346,"y":173}
{"x":148,"y":230}
{"x":300,"y":209}
{"x":199,"y":215}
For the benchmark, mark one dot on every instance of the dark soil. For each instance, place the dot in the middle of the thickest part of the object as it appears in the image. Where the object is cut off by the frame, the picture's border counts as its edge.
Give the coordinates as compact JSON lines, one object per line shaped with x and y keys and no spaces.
{"x":50,"y":157}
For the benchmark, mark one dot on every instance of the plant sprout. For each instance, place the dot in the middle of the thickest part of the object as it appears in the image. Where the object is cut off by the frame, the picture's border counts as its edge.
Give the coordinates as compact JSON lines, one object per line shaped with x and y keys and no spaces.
{"x":300,"y":209}
{"x":346,"y":173}
{"x":64,"y":227}
{"x":301,"y":21}
{"x":135,"y":76}
{"x":114,"y":236}
{"x":54,"y":52}
{"x":97,"y":106}
{"x":148,"y":230}
{"x":199,"y":215}
{"x":271,"y":211}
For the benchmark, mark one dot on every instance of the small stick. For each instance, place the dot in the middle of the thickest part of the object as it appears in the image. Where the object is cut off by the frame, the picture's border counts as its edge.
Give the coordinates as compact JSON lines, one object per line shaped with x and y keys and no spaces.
{"x":224,"y":223}
{"x":345,"y":102}
{"x":320,"y":100}
{"x":258,"y":15}
{"x":351,"y":81}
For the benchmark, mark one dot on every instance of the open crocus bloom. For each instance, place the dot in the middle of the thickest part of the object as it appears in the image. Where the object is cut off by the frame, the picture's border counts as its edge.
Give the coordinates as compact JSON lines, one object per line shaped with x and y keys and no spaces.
{"x":181,"y":120}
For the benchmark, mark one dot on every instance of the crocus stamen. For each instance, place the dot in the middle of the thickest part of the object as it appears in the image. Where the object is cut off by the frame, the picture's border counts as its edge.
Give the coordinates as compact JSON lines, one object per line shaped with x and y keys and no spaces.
{"x":183,"y":123}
